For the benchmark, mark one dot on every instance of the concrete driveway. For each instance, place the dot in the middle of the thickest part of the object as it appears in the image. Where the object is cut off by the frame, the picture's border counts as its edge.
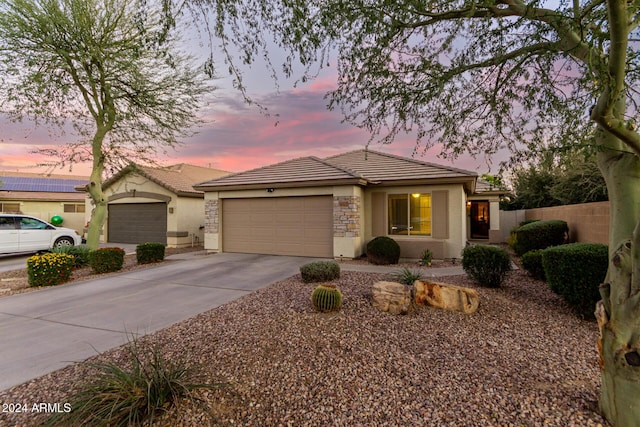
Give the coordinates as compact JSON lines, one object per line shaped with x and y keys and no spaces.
{"x":45,"y":330}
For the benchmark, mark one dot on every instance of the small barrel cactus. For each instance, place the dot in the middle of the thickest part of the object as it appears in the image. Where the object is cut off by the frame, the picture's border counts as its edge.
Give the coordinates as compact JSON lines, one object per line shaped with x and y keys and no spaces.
{"x":326,"y":298}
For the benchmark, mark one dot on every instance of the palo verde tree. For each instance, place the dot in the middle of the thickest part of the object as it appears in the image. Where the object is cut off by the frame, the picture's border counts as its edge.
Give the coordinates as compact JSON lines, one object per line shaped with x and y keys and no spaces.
{"x":111,"y":69}
{"x":478,"y":76}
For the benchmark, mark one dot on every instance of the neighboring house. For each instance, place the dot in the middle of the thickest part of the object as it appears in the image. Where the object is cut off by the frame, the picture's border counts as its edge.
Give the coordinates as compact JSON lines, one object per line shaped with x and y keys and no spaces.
{"x":332,"y":207}
{"x":44,"y":196}
{"x":156,"y":204}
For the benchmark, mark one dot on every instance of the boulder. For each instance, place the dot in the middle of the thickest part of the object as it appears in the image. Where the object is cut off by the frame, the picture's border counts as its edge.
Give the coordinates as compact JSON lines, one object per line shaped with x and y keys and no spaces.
{"x":448,"y":297}
{"x":392,"y":297}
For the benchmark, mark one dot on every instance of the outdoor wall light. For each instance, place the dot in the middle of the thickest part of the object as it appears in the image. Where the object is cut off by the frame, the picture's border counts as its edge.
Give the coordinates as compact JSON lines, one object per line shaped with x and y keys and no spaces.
{"x":270,"y":190}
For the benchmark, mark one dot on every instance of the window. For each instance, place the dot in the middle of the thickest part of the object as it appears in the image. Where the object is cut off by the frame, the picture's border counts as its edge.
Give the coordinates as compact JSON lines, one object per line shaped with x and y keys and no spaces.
{"x":7,"y":223}
{"x":410,"y":214}
{"x":32,"y":224}
{"x":73,"y":208}
{"x":10,"y":207}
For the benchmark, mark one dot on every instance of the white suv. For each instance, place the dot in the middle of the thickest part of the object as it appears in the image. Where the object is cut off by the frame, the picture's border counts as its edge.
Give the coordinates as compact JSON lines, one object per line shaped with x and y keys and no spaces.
{"x":23,"y":233}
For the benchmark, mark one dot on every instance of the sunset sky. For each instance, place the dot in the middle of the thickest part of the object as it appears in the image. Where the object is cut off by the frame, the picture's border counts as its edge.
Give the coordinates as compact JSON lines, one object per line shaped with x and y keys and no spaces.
{"x":237,"y":137}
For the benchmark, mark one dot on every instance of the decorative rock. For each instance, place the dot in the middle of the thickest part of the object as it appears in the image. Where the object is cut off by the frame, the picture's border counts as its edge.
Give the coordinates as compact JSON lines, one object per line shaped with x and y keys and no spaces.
{"x":448,"y":297}
{"x":391,"y":297}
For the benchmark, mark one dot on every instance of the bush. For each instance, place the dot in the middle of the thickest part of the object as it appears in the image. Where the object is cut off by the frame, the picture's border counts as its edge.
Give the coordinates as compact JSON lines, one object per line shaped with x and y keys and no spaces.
{"x":383,"y":250}
{"x":149,"y":252}
{"x":487,"y":265}
{"x":80,"y":254}
{"x":532,"y":262}
{"x":132,"y":395}
{"x":106,"y":260}
{"x":49,"y":269}
{"x":540,"y":235}
{"x":575,"y":272}
{"x":426,"y":257}
{"x":320,"y":271}
{"x":407,"y":276}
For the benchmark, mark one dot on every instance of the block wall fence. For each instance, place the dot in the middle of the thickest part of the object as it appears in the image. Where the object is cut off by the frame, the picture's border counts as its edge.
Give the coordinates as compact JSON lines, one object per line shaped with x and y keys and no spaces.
{"x":588,"y":222}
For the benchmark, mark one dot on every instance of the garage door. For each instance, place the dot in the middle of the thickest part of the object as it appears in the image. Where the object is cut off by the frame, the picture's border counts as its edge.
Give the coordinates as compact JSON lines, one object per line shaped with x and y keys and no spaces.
{"x":301,"y":226}
{"x":137,"y":223}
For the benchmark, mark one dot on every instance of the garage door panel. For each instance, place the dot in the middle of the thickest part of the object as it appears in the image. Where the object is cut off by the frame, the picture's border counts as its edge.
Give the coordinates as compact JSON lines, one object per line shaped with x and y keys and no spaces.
{"x":137,"y":223}
{"x":282,"y":225}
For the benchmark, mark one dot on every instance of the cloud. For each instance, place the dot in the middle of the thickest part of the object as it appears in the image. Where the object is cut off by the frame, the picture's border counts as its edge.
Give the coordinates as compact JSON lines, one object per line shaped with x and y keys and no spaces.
{"x":236,"y":136}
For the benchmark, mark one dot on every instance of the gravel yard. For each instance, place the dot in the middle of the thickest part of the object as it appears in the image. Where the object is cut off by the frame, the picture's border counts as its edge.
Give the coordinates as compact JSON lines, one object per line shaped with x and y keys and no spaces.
{"x":522,"y":359}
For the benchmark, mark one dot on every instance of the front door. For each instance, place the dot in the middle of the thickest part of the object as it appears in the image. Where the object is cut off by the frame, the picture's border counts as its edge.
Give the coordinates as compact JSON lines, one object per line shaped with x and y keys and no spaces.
{"x":480,"y":219}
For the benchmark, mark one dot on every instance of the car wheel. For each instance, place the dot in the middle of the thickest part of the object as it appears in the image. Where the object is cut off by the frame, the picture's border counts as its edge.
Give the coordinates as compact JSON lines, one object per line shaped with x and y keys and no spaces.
{"x":63,"y":241}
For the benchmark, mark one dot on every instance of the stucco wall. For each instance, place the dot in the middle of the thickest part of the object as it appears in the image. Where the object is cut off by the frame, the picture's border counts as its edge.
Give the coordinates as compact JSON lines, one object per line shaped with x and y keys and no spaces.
{"x":412,"y":246}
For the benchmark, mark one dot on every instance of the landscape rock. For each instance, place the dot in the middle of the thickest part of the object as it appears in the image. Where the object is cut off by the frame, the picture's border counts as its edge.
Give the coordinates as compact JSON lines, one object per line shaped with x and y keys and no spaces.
{"x":448,"y":297}
{"x":391,"y":297}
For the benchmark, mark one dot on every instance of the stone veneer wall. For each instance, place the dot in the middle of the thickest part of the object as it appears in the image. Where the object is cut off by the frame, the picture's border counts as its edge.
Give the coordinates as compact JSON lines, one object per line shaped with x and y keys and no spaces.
{"x":346,"y":216}
{"x":211,"y":216}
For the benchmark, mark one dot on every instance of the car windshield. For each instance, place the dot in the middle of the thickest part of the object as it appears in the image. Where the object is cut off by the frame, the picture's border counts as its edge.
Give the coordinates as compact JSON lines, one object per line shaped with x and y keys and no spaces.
{"x":32,"y":224}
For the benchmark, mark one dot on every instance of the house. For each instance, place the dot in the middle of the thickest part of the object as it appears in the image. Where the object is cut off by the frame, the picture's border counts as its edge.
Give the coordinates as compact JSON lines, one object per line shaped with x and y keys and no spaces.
{"x":156,"y":204}
{"x":44,"y":196}
{"x":332,"y":207}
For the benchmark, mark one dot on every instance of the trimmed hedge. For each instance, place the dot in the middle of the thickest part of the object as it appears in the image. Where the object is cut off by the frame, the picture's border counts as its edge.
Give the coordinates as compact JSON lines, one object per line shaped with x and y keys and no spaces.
{"x":575,"y":272}
{"x":105,"y":260}
{"x":49,"y":269}
{"x":540,"y":235}
{"x":532,"y":262}
{"x":320,"y":271}
{"x":149,"y":252}
{"x":383,"y":250}
{"x":486,"y":265}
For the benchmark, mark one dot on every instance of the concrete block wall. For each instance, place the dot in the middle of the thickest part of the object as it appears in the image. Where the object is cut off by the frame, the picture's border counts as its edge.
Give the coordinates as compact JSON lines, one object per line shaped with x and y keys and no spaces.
{"x":588,"y":222}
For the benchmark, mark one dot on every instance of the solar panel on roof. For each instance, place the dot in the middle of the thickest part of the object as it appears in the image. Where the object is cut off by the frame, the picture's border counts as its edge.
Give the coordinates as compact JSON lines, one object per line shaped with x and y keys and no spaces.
{"x":51,"y":185}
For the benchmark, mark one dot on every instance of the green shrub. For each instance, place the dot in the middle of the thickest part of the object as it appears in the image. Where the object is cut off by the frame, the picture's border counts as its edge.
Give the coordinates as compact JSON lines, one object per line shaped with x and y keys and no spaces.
{"x":149,"y":252}
{"x":487,"y":265}
{"x":383,"y":250}
{"x":426,"y":257}
{"x":540,"y":235}
{"x":132,"y":395}
{"x":326,"y":298}
{"x":532,"y":262}
{"x":49,"y":269}
{"x":320,"y":271}
{"x":105,"y":260}
{"x":575,"y":272}
{"x":80,"y":254}
{"x":406,"y":276}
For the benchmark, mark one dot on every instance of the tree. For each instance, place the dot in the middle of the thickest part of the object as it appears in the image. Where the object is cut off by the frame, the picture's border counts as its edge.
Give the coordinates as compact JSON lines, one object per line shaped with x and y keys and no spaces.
{"x":480,"y":75}
{"x":110,"y":68}
{"x":553,"y":179}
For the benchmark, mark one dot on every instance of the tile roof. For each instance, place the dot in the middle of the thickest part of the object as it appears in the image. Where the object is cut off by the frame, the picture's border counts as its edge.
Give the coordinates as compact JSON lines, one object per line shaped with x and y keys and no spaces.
{"x":304,"y":171}
{"x":362,"y":167}
{"x":178,"y":178}
{"x":383,"y":167}
{"x":484,"y":187}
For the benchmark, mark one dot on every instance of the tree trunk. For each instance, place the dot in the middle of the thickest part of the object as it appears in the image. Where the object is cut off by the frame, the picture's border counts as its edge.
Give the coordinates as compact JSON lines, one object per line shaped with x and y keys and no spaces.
{"x":99,"y":199}
{"x":618,"y":313}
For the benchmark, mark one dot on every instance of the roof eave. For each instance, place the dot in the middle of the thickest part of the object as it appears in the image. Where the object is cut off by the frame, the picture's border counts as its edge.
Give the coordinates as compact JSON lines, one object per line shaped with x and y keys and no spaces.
{"x":294,"y":184}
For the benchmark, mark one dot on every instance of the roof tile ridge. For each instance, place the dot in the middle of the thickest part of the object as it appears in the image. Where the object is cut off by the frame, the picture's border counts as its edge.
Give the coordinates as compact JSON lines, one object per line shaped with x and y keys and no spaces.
{"x":340,"y":168}
{"x":422,"y":162}
{"x":235,"y":174}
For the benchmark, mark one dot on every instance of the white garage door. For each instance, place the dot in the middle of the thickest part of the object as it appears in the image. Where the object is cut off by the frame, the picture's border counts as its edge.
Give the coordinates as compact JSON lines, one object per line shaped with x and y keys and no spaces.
{"x":137,"y":223}
{"x":299,"y":226}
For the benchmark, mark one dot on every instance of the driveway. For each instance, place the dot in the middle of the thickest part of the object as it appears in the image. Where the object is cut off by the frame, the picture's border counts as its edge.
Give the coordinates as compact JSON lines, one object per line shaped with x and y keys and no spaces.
{"x":48,"y":329}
